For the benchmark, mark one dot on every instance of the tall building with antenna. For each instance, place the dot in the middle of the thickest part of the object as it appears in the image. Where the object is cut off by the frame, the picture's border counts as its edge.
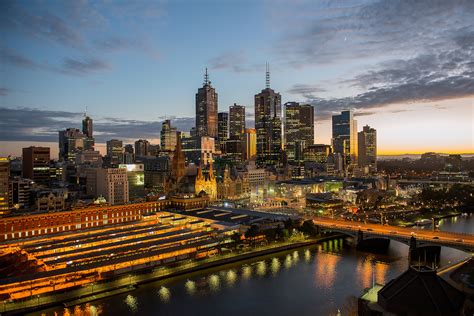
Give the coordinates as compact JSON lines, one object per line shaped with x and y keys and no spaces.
{"x":87,"y":130}
{"x":206,"y":109}
{"x":268,"y":124}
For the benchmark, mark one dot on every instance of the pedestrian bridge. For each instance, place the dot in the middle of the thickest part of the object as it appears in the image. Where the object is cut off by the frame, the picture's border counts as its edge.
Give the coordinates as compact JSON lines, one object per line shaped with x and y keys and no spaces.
{"x":409,"y":236}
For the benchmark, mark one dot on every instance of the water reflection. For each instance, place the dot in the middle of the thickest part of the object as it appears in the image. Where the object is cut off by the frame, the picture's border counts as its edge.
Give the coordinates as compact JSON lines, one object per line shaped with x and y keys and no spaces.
{"x":296,"y":256}
{"x":307,"y":255}
{"x":369,"y":271}
{"x":326,"y":269}
{"x":288,"y":261}
{"x":131,"y":302}
{"x":364,"y":271}
{"x":275,"y":266}
{"x":190,"y":287}
{"x":214,"y":282}
{"x":88,"y":309}
{"x":246,"y":272}
{"x":231,"y":277}
{"x":261,"y":268}
{"x":164,"y":294}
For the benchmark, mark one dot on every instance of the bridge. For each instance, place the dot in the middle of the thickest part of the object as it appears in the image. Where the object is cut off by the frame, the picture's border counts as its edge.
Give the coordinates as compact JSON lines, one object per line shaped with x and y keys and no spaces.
{"x":412,"y":237}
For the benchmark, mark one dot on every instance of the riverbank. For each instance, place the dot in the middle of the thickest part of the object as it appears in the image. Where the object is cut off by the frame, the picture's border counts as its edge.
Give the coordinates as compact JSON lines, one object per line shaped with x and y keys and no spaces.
{"x":112,"y":287}
{"x":436,"y":216}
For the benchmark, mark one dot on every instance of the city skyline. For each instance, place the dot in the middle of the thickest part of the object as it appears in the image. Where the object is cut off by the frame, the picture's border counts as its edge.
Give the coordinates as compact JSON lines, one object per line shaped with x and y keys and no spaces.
{"x":416,"y":90}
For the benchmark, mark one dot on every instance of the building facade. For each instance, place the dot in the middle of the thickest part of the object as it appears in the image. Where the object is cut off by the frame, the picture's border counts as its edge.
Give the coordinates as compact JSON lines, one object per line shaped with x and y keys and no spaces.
{"x":206,"y":109}
{"x":268,"y":125}
{"x":299,"y":127}
{"x":249,"y":145}
{"x":168,"y":136}
{"x":71,"y":141}
{"x":115,"y":151}
{"x":20,"y":191}
{"x":222,"y":129}
{"x":4,"y":184}
{"x":112,"y":184}
{"x":236,"y":120}
{"x":142,"y":148}
{"x":206,"y":183}
{"x":36,"y":162}
{"x":367,"y":142}
{"x":87,"y":130}
{"x":136,"y":180}
{"x":344,"y":137}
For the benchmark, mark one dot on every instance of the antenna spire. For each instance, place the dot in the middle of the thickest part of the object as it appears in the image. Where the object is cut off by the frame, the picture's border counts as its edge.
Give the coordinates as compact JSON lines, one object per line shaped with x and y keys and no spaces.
{"x":85,"y":111}
{"x":267,"y":75}
{"x":206,"y":78}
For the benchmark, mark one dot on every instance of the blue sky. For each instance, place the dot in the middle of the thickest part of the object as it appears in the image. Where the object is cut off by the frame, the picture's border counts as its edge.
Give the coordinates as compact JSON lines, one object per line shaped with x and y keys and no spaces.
{"x":134,"y":63}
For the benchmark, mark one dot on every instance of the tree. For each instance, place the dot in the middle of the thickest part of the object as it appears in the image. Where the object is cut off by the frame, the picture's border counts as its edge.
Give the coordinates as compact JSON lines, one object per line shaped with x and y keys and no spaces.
{"x":252,"y":231}
{"x":309,"y":228}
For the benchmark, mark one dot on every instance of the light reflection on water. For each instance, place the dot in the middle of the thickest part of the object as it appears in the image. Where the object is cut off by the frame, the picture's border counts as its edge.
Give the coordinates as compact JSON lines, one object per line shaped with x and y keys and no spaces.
{"x":307,"y":255}
{"x":246,"y":272}
{"x":164,"y":294}
{"x":325,"y":271}
{"x":261,"y":268}
{"x":214,"y":282}
{"x":288,"y":261}
{"x":190,"y":287}
{"x":231,"y":277}
{"x":275,"y":266}
{"x":132,"y":303}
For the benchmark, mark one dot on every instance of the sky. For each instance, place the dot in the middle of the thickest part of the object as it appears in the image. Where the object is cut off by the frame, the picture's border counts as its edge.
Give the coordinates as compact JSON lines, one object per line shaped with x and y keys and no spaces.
{"x":406,"y":68}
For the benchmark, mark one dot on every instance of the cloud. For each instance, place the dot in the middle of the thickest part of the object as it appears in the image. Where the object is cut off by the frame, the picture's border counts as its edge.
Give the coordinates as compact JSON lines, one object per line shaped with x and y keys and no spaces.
{"x":83,"y":66}
{"x":332,"y":32}
{"x":69,"y":66}
{"x":12,"y":57}
{"x":444,"y":70}
{"x":4,"y":92}
{"x":307,"y":91}
{"x":29,"y":124}
{"x":41,"y":25}
{"x":77,"y":27}
{"x":235,"y":61}
{"x":422,"y":90}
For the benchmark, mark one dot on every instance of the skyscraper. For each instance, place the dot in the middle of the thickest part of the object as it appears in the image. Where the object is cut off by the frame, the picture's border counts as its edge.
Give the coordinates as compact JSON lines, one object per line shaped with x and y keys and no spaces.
{"x":206,"y":109}
{"x":71,"y":141}
{"x":177,"y":164}
{"x":222,"y":129}
{"x":4,"y":184}
{"x":249,"y":144}
{"x":344,"y":137}
{"x":115,"y":151}
{"x":36,"y":164}
{"x":87,"y":130}
{"x":236,"y":120}
{"x":367,"y":142}
{"x":142,"y":148}
{"x":168,"y":136}
{"x":268,"y":124}
{"x":112,"y":184}
{"x":299,"y":127}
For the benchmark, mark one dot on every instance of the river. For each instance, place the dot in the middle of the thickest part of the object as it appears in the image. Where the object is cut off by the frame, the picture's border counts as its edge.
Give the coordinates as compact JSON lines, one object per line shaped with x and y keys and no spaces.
{"x":316,"y":280}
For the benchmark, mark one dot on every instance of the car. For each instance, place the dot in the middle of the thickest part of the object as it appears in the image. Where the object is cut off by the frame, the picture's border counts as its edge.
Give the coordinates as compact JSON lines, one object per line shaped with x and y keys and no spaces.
{"x":369,"y":229}
{"x":460,"y":240}
{"x":435,"y":237}
{"x":393,"y":232}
